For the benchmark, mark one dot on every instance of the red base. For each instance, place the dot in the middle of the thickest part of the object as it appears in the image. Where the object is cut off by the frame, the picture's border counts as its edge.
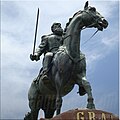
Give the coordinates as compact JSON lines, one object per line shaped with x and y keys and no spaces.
{"x":84,"y":114}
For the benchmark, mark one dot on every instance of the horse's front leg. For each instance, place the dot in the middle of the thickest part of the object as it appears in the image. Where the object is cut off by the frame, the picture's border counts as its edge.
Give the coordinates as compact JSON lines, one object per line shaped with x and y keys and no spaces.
{"x":86,"y":88}
{"x":58,"y":104}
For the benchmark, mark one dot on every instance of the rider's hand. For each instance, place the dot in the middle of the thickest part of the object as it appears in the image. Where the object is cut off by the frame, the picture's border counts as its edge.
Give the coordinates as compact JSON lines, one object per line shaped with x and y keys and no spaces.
{"x":34,"y":57}
{"x":37,"y":57}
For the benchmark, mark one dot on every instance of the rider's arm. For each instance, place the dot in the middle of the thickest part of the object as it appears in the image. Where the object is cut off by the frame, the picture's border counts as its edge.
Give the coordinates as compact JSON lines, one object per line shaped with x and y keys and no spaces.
{"x":42,"y":47}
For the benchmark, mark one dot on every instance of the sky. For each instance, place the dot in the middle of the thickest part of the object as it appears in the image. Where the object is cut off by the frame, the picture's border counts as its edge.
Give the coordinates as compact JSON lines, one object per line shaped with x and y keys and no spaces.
{"x":18,"y":71}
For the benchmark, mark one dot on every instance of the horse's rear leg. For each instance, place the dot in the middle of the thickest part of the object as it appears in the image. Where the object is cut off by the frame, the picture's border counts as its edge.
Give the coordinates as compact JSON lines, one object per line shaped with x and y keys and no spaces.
{"x":33,"y":114}
{"x":49,"y":114}
{"x":34,"y":110}
{"x":33,"y":102}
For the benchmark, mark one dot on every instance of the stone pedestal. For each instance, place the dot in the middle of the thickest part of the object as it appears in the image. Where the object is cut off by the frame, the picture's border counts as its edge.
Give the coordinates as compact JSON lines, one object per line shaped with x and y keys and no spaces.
{"x":85,"y":114}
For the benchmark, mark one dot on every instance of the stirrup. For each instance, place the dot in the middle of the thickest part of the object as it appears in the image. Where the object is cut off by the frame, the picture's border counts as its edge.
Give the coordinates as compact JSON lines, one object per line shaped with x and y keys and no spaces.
{"x":44,"y":77}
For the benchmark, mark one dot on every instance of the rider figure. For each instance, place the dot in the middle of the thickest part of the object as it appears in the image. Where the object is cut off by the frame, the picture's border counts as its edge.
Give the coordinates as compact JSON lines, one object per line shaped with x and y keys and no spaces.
{"x":49,"y":46}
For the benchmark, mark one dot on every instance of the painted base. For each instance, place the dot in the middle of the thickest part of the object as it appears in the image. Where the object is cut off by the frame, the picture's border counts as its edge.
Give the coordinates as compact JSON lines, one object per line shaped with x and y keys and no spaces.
{"x":85,"y":114}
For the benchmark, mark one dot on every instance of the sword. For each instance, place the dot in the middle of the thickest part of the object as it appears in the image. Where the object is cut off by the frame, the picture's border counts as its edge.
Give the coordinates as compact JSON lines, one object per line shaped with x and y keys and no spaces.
{"x":36,"y":31}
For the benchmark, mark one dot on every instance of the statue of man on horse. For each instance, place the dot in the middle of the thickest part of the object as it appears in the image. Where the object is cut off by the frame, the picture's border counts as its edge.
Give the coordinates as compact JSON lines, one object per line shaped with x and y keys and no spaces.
{"x":63,"y":64}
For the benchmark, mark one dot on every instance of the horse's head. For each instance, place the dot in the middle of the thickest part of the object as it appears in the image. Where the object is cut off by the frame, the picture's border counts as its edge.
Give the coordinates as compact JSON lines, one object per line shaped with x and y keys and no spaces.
{"x":92,"y":18}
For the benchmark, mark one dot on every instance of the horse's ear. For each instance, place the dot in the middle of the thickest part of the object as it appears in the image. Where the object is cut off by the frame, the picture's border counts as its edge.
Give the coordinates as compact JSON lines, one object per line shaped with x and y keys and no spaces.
{"x":86,"y":5}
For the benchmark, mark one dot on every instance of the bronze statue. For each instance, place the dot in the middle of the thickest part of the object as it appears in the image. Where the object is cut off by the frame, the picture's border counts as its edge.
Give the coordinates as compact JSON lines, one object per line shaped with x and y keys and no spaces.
{"x":67,"y":68}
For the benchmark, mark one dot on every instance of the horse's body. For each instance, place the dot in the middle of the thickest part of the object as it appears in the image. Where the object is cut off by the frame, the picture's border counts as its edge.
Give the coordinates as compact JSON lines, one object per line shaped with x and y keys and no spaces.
{"x":68,"y":68}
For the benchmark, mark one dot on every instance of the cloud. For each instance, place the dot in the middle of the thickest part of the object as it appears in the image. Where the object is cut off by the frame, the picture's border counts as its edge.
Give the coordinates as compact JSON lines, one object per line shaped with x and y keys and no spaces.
{"x":110,"y":42}
{"x":17,"y":34}
{"x":106,"y":102}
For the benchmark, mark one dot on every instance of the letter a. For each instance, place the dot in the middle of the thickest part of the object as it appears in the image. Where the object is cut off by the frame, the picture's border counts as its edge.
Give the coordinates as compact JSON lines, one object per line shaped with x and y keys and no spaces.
{"x":103,"y":116}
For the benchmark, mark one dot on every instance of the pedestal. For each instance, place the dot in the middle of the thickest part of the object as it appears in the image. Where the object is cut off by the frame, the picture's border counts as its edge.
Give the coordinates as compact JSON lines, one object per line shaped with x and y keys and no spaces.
{"x":85,"y":114}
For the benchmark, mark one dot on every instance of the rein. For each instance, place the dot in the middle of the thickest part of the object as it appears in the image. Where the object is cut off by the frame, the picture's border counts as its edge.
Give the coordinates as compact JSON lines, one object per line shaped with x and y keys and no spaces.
{"x":96,"y":22}
{"x":86,"y":40}
{"x":90,"y":37}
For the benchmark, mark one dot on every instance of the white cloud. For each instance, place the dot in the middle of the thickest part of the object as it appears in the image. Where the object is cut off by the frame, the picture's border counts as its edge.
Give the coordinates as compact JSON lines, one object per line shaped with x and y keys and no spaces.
{"x":111,"y":42}
{"x":103,"y":48}
{"x":17,"y":33}
{"x":106,"y":102}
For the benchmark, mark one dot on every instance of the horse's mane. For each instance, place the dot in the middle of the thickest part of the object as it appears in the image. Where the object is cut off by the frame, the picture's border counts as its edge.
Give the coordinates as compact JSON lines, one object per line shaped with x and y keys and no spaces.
{"x":70,"y":20}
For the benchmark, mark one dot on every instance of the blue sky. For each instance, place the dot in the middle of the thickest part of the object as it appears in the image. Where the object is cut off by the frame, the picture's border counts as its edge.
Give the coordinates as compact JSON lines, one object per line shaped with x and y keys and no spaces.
{"x":17,"y":71}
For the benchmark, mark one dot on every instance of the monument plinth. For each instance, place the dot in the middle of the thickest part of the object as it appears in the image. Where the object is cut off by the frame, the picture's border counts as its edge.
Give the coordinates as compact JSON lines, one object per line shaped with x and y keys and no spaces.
{"x":85,"y":114}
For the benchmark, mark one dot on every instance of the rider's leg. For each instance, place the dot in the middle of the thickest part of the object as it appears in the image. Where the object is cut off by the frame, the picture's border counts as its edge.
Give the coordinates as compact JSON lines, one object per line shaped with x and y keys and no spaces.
{"x":47,"y":60}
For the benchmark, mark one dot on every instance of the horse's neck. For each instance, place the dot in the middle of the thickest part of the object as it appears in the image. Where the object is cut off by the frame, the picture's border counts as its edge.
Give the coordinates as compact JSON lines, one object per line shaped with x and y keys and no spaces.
{"x":72,"y":42}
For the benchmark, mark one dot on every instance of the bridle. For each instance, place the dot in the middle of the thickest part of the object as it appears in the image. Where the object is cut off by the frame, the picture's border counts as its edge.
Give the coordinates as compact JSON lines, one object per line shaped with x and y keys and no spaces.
{"x":90,"y":38}
{"x":96,"y":22}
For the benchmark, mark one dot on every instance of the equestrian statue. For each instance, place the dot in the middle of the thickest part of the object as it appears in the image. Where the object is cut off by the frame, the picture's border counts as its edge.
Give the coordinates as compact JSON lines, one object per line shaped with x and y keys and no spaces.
{"x":64,"y":65}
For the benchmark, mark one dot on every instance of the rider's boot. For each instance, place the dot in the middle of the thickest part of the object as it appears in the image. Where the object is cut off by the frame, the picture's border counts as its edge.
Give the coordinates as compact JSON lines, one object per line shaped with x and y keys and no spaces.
{"x":44,"y":74}
{"x":44,"y":77}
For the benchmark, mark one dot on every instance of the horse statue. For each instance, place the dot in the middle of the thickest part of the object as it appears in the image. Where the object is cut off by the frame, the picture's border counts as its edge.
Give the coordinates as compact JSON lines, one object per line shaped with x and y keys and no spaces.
{"x":68,"y":68}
